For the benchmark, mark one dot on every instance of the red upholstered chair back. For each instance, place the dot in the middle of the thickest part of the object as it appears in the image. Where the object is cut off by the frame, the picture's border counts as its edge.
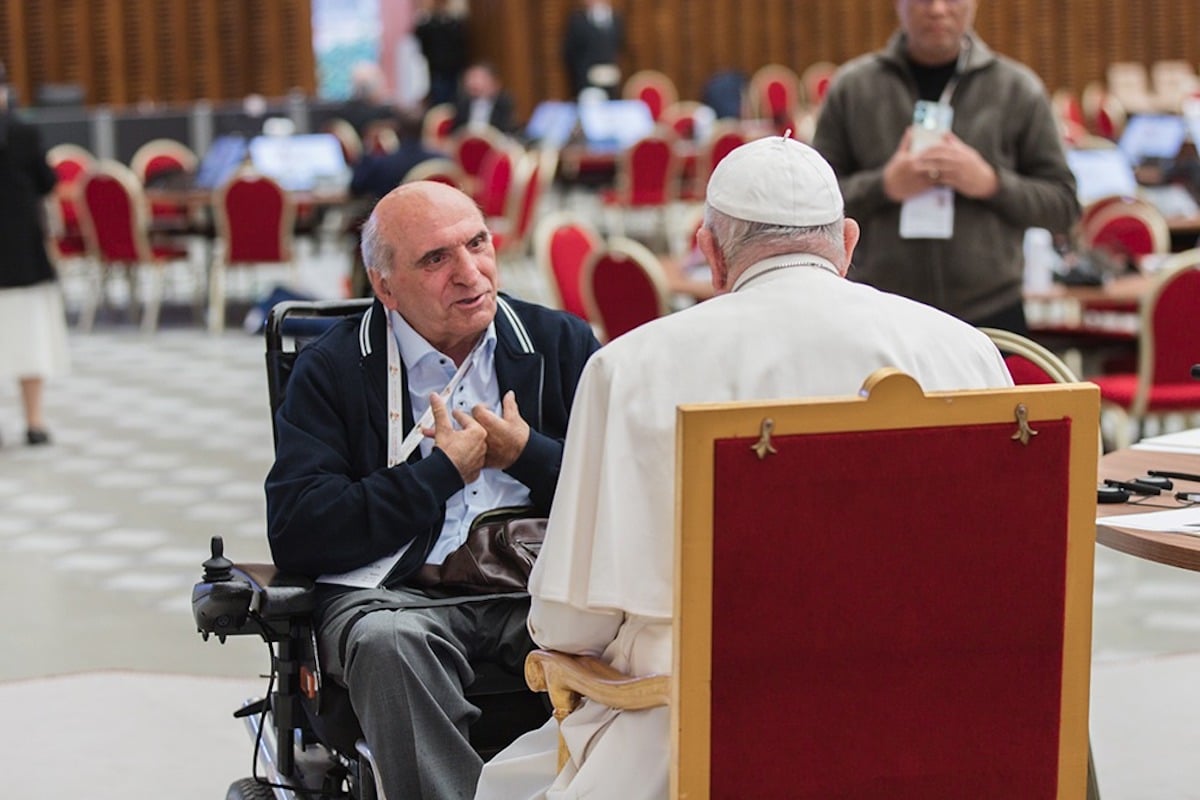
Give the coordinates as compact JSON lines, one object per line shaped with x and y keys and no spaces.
{"x":159,"y":156}
{"x":255,"y":219}
{"x":1175,"y":330}
{"x":471,"y":148}
{"x":114,"y":214}
{"x":623,"y":287}
{"x":1024,"y":371}
{"x":1129,"y":228}
{"x":535,"y":173}
{"x":775,"y":93}
{"x":562,"y":244}
{"x":653,"y":88}
{"x":495,"y":180}
{"x":1028,"y":362}
{"x":887,"y":627}
{"x":648,"y":172}
{"x":69,"y":162}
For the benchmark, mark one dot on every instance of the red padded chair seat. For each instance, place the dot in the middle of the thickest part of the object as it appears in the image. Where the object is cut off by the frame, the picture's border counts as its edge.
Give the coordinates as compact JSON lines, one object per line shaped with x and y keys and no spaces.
{"x":1120,"y":389}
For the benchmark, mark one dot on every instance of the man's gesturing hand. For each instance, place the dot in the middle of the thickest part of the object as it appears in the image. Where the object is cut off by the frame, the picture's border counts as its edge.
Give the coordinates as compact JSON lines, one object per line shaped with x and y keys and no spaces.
{"x":507,"y":435}
{"x":465,"y":447}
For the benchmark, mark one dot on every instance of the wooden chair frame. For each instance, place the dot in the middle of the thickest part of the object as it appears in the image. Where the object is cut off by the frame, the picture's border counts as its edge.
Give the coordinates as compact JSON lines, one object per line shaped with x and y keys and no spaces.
{"x":655,"y":79}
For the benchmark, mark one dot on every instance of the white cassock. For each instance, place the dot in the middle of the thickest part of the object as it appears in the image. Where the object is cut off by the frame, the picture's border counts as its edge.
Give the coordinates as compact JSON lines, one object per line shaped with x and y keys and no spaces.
{"x":603,"y":581}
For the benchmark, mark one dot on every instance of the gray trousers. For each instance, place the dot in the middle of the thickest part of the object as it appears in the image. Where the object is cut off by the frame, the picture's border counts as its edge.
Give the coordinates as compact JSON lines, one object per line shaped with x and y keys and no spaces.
{"x":405,"y":660}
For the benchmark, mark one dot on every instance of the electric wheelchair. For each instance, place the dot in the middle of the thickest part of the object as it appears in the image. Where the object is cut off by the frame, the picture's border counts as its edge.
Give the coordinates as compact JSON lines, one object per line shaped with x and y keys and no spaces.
{"x":307,"y":742}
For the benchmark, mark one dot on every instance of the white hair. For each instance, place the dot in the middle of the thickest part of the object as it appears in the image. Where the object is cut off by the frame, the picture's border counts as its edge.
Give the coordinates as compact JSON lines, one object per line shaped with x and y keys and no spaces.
{"x":742,"y":242}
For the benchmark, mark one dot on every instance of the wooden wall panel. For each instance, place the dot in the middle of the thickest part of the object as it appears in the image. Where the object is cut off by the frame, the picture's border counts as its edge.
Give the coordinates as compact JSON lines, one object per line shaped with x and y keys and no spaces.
{"x":130,"y":51}
{"x":126,"y":52}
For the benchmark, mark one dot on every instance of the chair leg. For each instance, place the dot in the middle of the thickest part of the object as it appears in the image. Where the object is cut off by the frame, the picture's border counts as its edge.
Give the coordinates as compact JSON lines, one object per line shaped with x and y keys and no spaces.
{"x":94,"y":293}
{"x":156,"y":278}
{"x":216,"y":297}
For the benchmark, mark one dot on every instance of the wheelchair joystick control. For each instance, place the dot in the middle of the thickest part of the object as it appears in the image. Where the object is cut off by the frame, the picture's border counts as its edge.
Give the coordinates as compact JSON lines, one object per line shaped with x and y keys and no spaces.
{"x":220,"y":601}
{"x":218,"y":568}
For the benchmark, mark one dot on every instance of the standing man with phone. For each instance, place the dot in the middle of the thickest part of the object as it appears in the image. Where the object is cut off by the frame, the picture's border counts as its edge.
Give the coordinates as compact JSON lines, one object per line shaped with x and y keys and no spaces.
{"x":946,"y":153}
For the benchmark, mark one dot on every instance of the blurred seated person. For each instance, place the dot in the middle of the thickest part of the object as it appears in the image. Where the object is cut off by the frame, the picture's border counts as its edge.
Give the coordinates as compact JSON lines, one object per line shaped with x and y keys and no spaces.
{"x":483,"y":101}
{"x":377,"y":174}
{"x":368,"y":100}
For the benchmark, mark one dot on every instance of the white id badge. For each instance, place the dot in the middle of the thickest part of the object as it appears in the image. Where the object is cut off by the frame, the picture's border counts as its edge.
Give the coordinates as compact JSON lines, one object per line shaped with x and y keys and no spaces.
{"x":929,"y":215}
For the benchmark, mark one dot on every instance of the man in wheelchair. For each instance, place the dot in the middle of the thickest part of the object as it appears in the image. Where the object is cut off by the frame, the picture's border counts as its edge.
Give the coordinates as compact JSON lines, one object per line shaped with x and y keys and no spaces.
{"x":349,"y":504}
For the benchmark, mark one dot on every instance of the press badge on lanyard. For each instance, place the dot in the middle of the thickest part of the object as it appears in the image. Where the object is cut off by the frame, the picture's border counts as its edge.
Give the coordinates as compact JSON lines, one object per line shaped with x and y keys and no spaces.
{"x":930,"y":215}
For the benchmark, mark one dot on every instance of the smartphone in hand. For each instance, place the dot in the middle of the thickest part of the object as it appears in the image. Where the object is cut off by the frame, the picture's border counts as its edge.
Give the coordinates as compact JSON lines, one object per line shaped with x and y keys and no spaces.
{"x":930,"y":122}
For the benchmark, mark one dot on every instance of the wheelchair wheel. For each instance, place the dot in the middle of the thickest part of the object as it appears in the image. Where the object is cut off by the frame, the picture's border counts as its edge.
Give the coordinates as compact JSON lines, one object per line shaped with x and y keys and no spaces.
{"x":248,"y":789}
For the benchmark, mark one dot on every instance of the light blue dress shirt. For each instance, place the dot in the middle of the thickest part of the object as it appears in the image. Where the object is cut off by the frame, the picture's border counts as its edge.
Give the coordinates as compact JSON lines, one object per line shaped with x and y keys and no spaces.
{"x":428,"y":372}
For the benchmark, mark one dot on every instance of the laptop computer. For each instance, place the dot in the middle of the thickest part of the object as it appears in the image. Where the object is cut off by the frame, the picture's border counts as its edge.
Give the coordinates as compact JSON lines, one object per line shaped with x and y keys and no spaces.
{"x":302,"y":162}
{"x":1101,"y":173}
{"x":1153,"y":137}
{"x":220,"y":161}
{"x":613,"y":125}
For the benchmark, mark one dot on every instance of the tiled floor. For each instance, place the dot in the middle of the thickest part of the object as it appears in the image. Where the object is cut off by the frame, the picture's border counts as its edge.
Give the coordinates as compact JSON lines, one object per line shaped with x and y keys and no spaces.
{"x":163,"y":441}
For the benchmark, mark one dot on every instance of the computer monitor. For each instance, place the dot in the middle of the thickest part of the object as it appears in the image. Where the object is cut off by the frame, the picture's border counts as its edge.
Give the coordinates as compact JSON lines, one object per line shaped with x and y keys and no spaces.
{"x":220,"y":161}
{"x":552,"y":123}
{"x":302,"y":162}
{"x":613,"y":125}
{"x":1150,"y":137}
{"x":1102,"y":172}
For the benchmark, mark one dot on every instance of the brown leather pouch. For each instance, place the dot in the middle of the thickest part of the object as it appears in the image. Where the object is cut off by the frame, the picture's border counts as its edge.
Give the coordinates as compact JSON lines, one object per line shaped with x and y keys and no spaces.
{"x":497,"y":555}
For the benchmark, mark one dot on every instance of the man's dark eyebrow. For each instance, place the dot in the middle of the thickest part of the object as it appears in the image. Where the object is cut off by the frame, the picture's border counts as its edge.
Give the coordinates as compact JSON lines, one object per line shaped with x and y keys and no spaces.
{"x":481,"y":235}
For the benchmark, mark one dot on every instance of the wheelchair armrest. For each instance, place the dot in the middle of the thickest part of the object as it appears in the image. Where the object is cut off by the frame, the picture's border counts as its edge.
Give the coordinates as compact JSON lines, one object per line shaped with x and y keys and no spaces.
{"x":278,"y":594}
{"x":569,"y":677}
{"x":226,"y":595}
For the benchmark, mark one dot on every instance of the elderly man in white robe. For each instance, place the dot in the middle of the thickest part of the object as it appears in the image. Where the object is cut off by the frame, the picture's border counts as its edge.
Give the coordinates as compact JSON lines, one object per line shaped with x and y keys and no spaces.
{"x":785,"y":323}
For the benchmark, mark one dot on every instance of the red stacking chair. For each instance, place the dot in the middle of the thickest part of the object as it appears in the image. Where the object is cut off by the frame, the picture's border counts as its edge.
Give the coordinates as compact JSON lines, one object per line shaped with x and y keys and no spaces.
{"x":775,"y":94}
{"x":471,"y":147}
{"x":647,"y":178}
{"x":255,"y":221}
{"x":1167,"y":348}
{"x":495,"y":178}
{"x":115,"y":219}
{"x":534,"y":174}
{"x":70,"y":162}
{"x":436,"y":127}
{"x":562,"y":244}
{"x":623,"y":286}
{"x":816,"y":79}
{"x":1028,"y":362}
{"x":152,"y":162}
{"x":653,"y":88}
{"x":1128,"y":228}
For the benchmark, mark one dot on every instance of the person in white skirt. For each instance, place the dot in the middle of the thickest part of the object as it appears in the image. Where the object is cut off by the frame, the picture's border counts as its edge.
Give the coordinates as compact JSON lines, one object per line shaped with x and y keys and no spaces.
{"x":33,"y":329}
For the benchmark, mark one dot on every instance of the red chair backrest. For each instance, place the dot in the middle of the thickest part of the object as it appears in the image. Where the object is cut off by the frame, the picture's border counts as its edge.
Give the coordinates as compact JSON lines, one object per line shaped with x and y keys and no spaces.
{"x":1127,"y":235}
{"x":651,"y":162}
{"x":624,"y":294}
{"x":1025,"y":372}
{"x":255,"y":220}
{"x":653,"y":97}
{"x":570,"y":247}
{"x":529,"y":197}
{"x":472,"y":152}
{"x":1174,"y":325}
{"x":115,"y":218}
{"x":495,"y":181}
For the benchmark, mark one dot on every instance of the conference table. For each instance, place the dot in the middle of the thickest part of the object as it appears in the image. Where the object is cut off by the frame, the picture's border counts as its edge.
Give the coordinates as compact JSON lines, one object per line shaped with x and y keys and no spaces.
{"x":1172,"y":548}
